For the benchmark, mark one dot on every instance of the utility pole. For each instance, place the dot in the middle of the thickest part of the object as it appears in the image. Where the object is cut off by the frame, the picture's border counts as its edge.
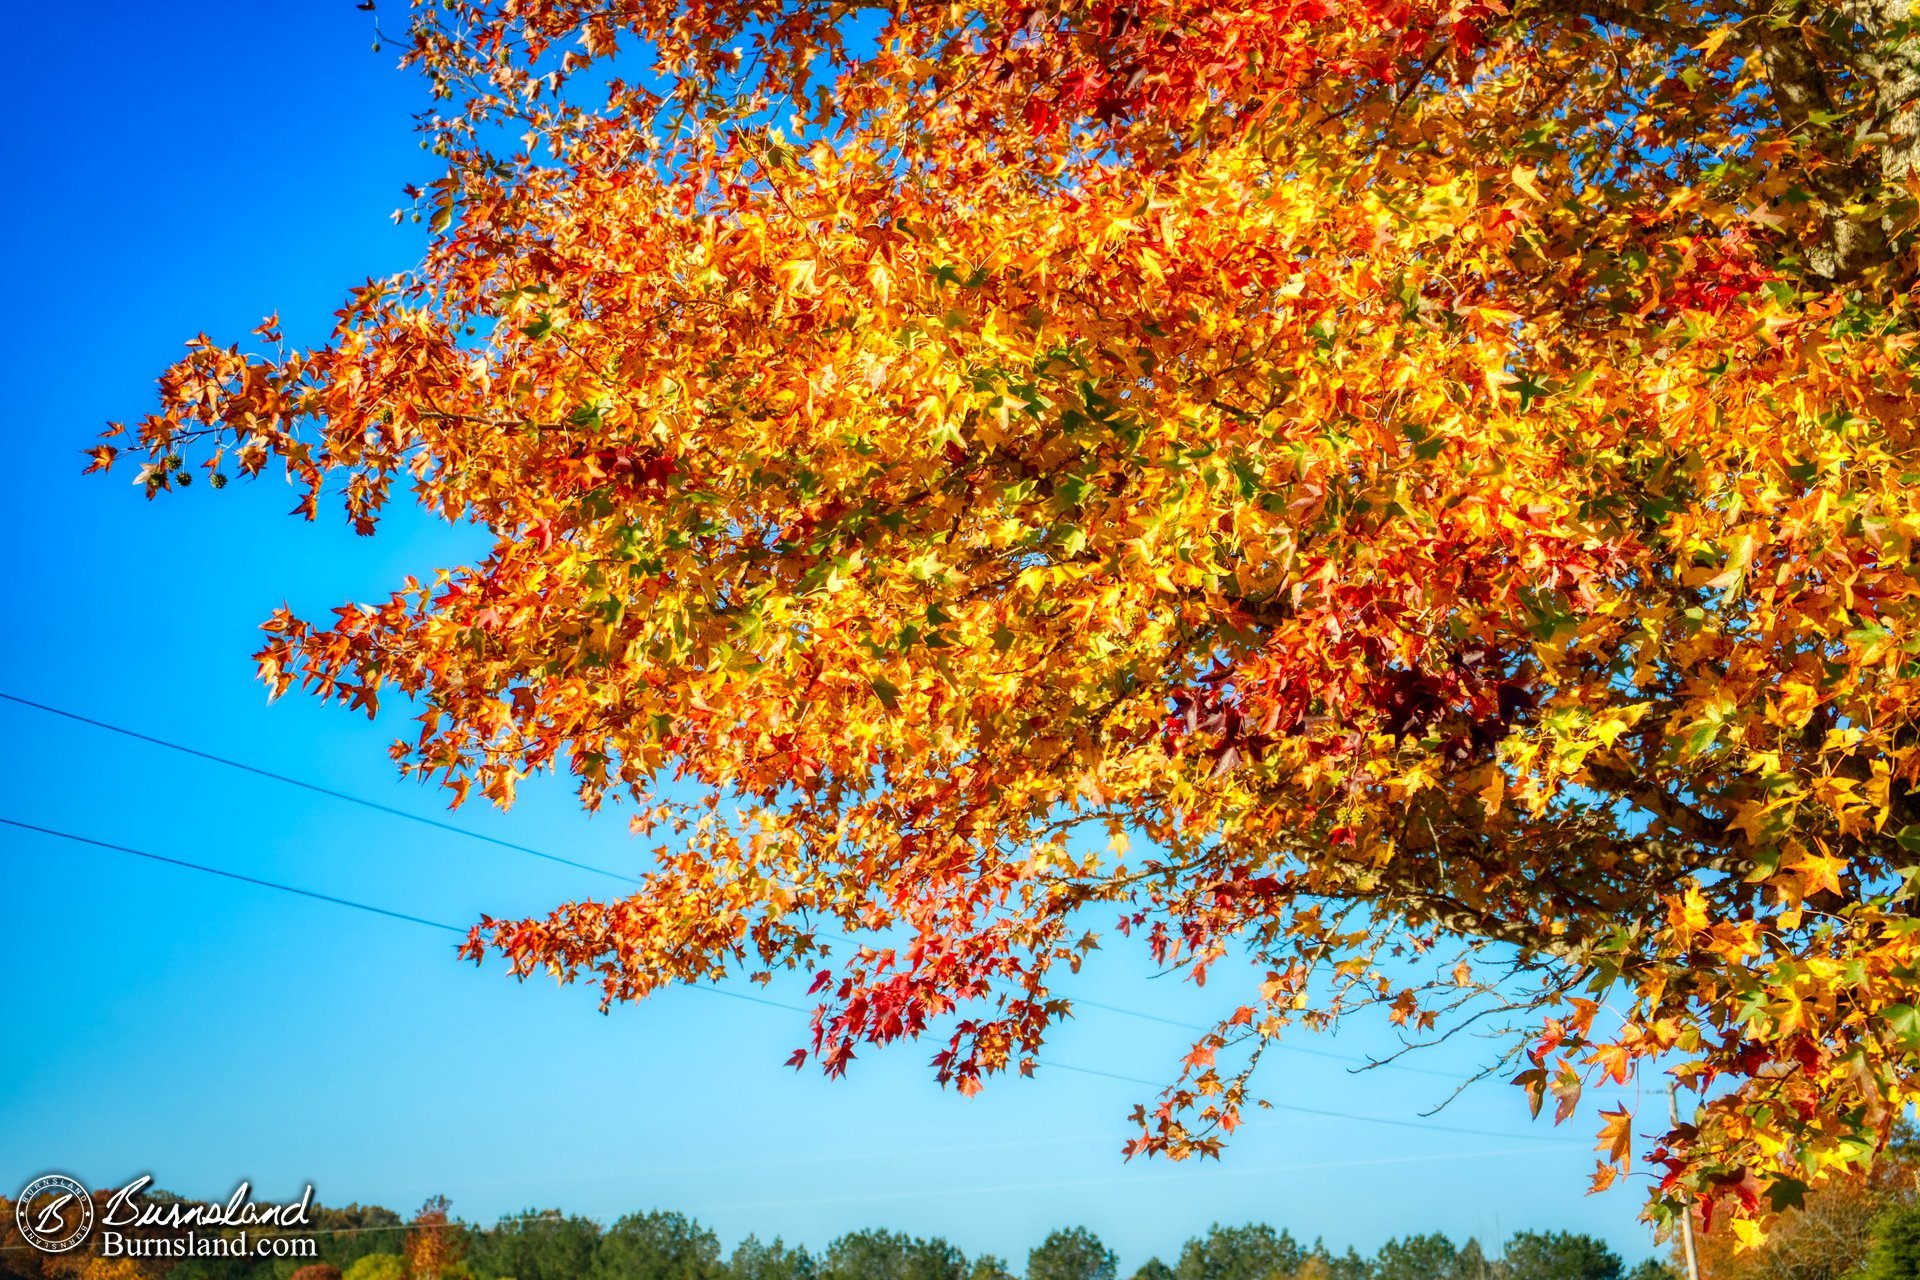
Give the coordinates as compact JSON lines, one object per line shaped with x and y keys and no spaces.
{"x":1686,"y":1214}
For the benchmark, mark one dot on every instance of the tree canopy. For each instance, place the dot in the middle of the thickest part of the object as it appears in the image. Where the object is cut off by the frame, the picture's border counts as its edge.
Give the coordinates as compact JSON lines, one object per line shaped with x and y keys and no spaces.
{"x":1558,"y":1255}
{"x":1074,"y":1253}
{"x":1417,"y":497}
{"x":1430,"y":1256}
{"x":891,"y":1255}
{"x":1250,"y":1251}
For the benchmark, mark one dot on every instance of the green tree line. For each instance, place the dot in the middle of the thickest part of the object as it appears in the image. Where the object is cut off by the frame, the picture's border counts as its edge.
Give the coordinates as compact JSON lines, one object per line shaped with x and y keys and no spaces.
{"x":1869,"y":1231}
{"x":373,"y":1243}
{"x":670,"y":1246}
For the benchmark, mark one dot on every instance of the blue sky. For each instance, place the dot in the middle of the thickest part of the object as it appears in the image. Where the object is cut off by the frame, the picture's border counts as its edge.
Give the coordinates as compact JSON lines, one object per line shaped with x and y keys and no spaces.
{"x":173,"y":169}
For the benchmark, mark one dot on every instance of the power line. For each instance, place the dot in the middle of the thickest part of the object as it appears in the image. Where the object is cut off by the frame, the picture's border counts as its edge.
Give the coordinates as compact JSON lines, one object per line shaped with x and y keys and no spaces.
{"x":737,"y":995}
{"x":1290,"y":1048}
{"x":312,"y":786}
{"x":235,"y":875}
{"x":507,"y":844}
{"x":328,"y":897}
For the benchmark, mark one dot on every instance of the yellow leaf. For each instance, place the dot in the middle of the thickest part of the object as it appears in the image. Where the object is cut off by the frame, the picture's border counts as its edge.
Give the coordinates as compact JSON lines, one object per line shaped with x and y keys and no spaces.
{"x":1494,"y":793}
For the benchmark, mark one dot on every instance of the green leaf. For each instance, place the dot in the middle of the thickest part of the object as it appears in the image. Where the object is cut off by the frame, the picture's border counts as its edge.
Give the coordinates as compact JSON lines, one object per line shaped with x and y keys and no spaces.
{"x":1904,"y":1019}
{"x":1786,"y":1193}
{"x":1528,"y":390}
{"x":1866,"y":637}
{"x":887,"y":692}
{"x":1702,"y":738}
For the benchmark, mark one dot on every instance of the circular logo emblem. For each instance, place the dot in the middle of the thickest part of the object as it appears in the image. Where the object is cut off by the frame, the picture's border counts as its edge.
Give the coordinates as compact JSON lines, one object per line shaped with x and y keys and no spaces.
{"x":54,"y":1213}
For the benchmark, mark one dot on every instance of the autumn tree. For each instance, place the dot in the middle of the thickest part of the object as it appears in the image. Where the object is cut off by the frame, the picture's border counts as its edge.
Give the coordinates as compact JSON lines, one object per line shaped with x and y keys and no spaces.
{"x":434,"y":1242}
{"x":1315,"y":480}
{"x":1830,"y":1235}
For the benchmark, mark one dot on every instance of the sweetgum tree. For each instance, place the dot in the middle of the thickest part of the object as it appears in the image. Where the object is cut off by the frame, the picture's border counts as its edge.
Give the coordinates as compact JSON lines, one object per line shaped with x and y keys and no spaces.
{"x":1312,"y":480}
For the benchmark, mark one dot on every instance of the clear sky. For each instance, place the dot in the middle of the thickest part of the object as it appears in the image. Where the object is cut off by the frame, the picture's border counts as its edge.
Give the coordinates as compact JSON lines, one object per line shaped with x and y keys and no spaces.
{"x":178,"y":168}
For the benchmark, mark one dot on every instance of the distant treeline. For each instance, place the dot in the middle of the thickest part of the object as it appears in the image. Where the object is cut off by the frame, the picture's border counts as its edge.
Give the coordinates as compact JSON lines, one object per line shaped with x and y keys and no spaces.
{"x":374,"y":1243}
